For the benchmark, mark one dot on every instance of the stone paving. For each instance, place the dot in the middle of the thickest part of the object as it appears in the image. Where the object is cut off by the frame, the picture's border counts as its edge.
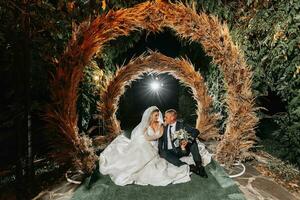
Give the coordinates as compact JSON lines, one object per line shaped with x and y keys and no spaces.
{"x":255,"y":186}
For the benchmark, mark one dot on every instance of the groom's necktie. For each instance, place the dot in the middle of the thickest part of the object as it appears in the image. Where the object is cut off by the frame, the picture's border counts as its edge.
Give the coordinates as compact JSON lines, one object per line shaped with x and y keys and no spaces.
{"x":170,"y":132}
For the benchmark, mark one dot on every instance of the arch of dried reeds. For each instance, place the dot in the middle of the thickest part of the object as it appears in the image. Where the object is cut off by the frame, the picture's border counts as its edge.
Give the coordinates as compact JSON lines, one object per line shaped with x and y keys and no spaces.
{"x":181,"y":69}
{"x":89,"y":38}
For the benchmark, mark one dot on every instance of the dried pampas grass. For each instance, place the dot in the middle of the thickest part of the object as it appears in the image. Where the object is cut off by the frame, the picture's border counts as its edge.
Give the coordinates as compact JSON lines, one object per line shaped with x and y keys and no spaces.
{"x":181,"y":69}
{"x":88,"y":40}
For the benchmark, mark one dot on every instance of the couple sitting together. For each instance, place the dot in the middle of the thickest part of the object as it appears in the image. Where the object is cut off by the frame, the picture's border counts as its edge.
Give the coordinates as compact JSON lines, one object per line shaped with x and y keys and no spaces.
{"x":158,"y":152}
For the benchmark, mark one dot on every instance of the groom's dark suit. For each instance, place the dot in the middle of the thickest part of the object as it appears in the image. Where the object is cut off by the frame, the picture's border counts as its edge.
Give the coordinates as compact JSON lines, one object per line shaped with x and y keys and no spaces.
{"x":173,"y":155}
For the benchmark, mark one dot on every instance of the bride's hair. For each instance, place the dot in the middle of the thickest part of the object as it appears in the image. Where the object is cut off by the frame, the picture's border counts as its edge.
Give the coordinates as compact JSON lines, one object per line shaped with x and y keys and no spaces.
{"x":154,"y":111}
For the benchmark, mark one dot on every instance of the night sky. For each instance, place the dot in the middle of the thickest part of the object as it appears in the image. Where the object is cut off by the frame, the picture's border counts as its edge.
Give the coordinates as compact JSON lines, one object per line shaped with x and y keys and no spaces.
{"x":139,"y":96}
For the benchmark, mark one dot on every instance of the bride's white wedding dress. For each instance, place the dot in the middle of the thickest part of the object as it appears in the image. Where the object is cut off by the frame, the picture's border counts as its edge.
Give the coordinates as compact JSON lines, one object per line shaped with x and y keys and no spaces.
{"x":136,"y":160}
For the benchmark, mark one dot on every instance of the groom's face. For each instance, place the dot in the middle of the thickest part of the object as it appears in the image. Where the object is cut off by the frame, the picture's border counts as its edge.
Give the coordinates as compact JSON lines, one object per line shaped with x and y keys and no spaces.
{"x":169,"y":118}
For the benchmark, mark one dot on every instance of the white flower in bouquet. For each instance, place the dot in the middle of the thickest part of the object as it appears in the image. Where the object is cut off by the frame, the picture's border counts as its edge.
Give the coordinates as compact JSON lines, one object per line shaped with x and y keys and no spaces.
{"x":181,"y":134}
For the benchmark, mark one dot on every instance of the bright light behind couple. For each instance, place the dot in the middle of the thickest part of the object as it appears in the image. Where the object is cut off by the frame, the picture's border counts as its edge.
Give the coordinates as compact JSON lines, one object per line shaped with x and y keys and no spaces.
{"x":156,"y":87}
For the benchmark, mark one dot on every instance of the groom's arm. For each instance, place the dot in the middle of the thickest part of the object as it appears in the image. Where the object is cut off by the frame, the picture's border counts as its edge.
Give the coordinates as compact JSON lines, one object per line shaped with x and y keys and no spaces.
{"x":194,"y":132}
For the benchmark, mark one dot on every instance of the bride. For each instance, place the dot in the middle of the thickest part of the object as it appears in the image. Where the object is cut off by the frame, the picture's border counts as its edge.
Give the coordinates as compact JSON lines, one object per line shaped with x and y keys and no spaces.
{"x":136,"y":160}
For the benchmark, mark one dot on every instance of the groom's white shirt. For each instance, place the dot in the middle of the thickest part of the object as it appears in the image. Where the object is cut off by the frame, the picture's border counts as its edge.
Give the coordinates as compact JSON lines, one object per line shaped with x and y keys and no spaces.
{"x":172,"y":132}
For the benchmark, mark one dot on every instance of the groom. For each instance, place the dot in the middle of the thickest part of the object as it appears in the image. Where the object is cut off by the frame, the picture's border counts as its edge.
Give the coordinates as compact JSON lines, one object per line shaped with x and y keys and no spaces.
{"x":172,"y":154}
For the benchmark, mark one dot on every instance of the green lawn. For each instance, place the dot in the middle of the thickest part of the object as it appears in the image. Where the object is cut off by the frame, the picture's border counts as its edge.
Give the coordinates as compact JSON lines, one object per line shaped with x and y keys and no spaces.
{"x":217,"y":186}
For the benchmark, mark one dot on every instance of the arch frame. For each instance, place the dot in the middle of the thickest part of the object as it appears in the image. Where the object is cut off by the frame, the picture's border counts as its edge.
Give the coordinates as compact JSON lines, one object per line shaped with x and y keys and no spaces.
{"x":89,"y":38}
{"x":154,"y":62}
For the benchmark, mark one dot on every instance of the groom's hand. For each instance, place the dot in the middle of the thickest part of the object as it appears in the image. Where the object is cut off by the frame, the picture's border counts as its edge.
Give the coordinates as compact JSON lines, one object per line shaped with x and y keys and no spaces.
{"x":183,"y":144}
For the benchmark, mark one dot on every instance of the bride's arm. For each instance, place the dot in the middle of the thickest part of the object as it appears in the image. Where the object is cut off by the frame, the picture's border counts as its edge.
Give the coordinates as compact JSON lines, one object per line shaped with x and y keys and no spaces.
{"x":148,"y":137}
{"x":154,"y":137}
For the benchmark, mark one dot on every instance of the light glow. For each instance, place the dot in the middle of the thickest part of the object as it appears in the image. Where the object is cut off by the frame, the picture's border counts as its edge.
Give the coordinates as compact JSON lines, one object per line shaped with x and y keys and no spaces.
{"x":155,"y":85}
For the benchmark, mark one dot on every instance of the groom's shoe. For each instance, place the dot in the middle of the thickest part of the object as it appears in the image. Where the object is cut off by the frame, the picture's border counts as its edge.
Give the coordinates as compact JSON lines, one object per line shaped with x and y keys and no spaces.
{"x":201,"y":169}
{"x":202,"y":172}
{"x":194,"y":169}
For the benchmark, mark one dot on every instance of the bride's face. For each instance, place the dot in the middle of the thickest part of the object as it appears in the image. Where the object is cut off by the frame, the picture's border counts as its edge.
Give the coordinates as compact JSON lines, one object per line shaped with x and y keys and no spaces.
{"x":155,"y":117}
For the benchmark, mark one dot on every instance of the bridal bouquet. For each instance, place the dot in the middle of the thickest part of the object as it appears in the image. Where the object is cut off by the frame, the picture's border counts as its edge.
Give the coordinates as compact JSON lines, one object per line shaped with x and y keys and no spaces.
{"x":181,"y":134}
